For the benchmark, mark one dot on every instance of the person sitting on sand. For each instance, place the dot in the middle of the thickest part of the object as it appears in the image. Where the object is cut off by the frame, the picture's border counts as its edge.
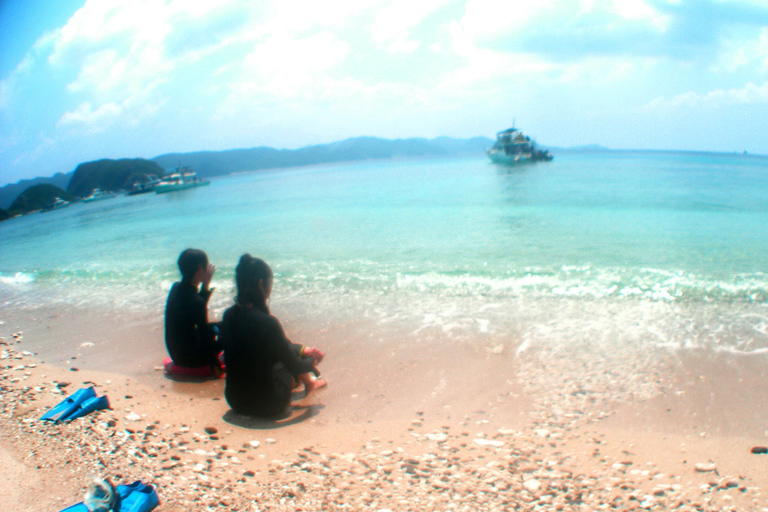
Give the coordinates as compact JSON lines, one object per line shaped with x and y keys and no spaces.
{"x":190,"y":339}
{"x":263,"y":366}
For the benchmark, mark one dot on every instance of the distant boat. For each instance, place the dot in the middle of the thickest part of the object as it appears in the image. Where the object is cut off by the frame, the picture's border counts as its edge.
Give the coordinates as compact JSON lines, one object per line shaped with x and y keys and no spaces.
{"x":145,"y":187}
{"x":182,"y":179}
{"x":512,"y":147}
{"x":98,"y":195}
{"x":56,"y":204}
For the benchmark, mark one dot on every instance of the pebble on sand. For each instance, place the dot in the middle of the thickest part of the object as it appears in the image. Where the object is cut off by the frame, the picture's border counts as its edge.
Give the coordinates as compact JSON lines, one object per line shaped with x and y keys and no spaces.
{"x":489,"y":442}
{"x":705,"y":467}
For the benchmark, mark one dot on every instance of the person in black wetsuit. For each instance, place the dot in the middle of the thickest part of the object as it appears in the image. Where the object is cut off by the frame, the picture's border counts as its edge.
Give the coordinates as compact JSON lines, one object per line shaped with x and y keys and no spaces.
{"x":263,"y":366}
{"x":190,"y":339}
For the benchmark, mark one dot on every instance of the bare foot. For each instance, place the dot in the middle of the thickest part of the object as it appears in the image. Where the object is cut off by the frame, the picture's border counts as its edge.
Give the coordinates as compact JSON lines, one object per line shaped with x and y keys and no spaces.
{"x":315,"y":384}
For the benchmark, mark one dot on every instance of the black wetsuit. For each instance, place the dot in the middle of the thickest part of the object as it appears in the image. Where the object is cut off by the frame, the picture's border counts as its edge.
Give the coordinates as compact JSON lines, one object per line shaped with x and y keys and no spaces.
{"x":261,"y":362}
{"x":189,"y":338}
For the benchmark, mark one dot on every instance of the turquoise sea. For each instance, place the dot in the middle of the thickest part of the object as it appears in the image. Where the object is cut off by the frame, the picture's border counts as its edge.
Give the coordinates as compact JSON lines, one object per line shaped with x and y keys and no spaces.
{"x":609,"y":248}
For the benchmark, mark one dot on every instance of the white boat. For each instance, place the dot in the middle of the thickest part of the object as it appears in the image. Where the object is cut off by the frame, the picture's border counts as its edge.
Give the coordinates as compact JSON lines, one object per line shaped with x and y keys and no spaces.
{"x":98,"y":195}
{"x":57,"y":204}
{"x":144,"y":187}
{"x":182,"y":179}
{"x":512,"y":147}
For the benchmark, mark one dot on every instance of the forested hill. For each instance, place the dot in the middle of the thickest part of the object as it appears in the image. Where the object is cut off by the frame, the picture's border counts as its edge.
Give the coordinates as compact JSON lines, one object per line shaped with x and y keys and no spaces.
{"x":9,"y":193}
{"x":216,"y":163}
{"x":112,"y":175}
{"x":106,"y":174}
{"x":37,"y":197}
{"x":120,"y":174}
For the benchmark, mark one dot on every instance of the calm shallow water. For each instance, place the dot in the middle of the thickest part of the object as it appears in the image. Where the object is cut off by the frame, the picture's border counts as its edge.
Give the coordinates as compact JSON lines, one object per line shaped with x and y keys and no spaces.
{"x":605,"y":248}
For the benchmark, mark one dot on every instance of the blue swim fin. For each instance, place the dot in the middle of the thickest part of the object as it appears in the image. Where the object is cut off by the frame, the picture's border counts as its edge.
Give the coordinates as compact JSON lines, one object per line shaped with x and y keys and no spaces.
{"x":69,"y":403}
{"x":124,"y":490}
{"x":92,"y":404}
{"x":137,"y":497}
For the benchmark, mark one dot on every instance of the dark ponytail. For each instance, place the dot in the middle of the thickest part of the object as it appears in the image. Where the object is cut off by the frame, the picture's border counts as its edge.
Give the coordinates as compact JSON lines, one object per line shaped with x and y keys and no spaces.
{"x":248,"y":273}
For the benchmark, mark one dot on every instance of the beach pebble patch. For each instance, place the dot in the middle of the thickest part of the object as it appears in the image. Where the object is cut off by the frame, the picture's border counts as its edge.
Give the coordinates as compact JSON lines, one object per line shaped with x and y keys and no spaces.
{"x":528,"y":468}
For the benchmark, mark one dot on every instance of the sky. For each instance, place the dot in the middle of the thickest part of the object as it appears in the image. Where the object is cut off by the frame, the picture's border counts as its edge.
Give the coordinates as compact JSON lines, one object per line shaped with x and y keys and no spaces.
{"x":85,"y":80}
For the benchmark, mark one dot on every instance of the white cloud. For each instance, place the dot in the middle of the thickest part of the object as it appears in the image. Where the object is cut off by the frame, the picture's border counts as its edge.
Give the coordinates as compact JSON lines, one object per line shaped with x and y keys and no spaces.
{"x":6,"y":89}
{"x":93,"y":121}
{"x":493,"y":68}
{"x":483,"y":66}
{"x":44,"y":145}
{"x":566,"y":29}
{"x":743,"y":50}
{"x":284,"y":67}
{"x":299,"y":16}
{"x":116,"y":46}
{"x":640,"y":10}
{"x":747,"y":95}
{"x":761,"y":48}
{"x":492,"y":16}
{"x":24,"y":69}
{"x":115,"y":75}
{"x":394,"y":23}
{"x":110,"y":24}
{"x":514,"y":16}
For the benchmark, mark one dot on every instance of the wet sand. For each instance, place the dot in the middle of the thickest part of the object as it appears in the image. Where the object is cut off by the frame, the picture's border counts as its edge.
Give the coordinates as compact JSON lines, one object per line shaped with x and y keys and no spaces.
{"x":421,"y":423}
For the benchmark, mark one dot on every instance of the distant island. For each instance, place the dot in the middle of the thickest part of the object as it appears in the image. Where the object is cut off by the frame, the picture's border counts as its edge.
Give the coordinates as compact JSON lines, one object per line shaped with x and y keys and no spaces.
{"x":9,"y":193}
{"x":217,"y":163}
{"x":37,"y":197}
{"x":108,"y":175}
{"x":111,"y":175}
{"x":118,"y":175}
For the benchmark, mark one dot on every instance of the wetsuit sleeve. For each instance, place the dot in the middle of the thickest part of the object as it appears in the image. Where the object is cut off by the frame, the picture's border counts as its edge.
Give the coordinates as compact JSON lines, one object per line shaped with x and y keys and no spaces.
{"x":285,"y":351}
{"x":298,"y":350}
{"x":207,"y":339}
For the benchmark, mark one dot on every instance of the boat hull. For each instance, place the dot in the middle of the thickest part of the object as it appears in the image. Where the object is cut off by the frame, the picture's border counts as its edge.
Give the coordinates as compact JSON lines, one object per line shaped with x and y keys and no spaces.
{"x":56,"y":206}
{"x":136,"y":192}
{"x":108,"y":195}
{"x":164,"y":188}
{"x":502,"y":159}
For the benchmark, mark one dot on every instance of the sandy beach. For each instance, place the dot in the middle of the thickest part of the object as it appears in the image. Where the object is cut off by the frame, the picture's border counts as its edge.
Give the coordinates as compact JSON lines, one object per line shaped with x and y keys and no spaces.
{"x":430,"y":425}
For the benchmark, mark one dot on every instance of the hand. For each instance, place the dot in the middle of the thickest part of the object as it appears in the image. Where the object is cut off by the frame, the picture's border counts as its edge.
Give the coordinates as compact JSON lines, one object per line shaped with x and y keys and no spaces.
{"x":314,"y":353}
{"x":208,"y":275}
